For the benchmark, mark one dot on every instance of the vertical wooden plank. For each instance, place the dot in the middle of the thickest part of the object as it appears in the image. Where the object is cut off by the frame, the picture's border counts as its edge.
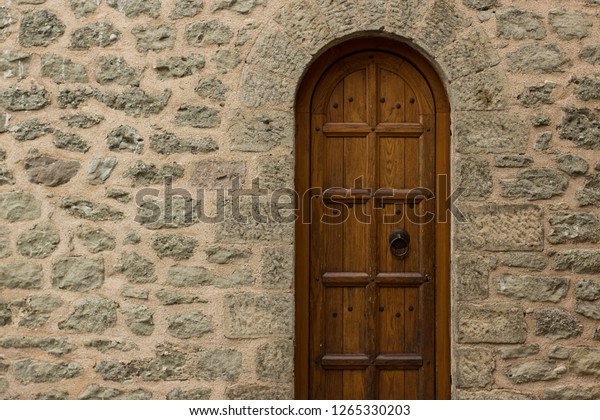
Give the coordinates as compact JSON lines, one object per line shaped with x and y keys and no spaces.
{"x":354,"y":309}
{"x":391,"y":94}
{"x":391,"y":385}
{"x":412,"y":385}
{"x":355,"y":98}
{"x":335,"y":105}
{"x":391,"y":315}
{"x":412,"y":308}
{"x":354,"y":385}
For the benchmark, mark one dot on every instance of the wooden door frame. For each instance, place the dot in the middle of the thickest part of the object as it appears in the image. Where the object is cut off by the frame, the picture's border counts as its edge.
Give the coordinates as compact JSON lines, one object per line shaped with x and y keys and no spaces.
{"x":302,"y":184}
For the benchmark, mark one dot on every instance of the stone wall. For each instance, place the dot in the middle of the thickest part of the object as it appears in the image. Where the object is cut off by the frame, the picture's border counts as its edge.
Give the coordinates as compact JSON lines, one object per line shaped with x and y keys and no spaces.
{"x":105,"y":293}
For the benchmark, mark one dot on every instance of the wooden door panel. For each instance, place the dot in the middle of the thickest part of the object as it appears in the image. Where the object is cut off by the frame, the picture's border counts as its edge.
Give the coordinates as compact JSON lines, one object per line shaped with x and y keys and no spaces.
{"x":372,"y":157}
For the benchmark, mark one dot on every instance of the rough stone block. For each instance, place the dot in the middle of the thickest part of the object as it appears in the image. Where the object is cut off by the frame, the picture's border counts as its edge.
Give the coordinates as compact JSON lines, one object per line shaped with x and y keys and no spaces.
{"x":569,"y":227}
{"x":88,"y":210}
{"x":590,"y":194}
{"x":188,"y":325}
{"x":250,"y":315}
{"x":536,"y":95}
{"x":473,"y":175}
{"x":142,"y":173}
{"x":16,"y":98}
{"x":175,"y":246}
{"x":590,"y":54}
{"x":262,"y":89}
{"x":21,"y":276}
{"x":197,"y":116}
{"x":496,"y":227}
{"x":490,"y":132}
{"x":491,"y":323}
{"x":441,"y":25}
{"x":535,"y":184}
{"x":588,"y":290}
{"x":100,"y":169}
{"x":183,"y":9}
{"x":154,"y":37}
{"x":176,"y":67}
{"x":46,"y":170}
{"x":470,"y":53}
{"x":277,"y":268}
{"x":211,"y":88}
{"x":181,"y":276}
{"x":226,"y":60}
{"x":557,"y":323}
{"x":275,"y":361}
{"x":519,"y":24}
{"x":30,"y":130}
{"x":77,"y":274}
{"x":481,"y":91}
{"x":589,"y":310}
{"x":538,"y":58}
{"x":125,"y":139}
{"x":93,"y":314}
{"x":475,"y":367}
{"x":96,"y":34}
{"x":585,"y":361}
{"x":30,"y":371}
{"x":39,"y":242}
{"x":53,"y":346}
{"x":513,"y":161}
{"x":582,"y":261}
{"x":97,"y":392}
{"x":471,"y":273}
{"x":134,"y":8}
{"x":535,"y":371}
{"x":70,"y":141}
{"x":84,"y":8}
{"x":569,"y":24}
{"x":63,"y":69}
{"x":533,"y":288}
{"x":572,"y":164}
{"x":304,"y":23}
{"x":258,"y":392}
{"x":586,"y":88}
{"x":113,"y":69}
{"x":218,"y":174}
{"x":31,"y":33}
{"x":206,"y":33}
{"x":16,"y":206}
{"x":571,"y":393}
{"x":167,"y":143}
{"x":494,"y":394}
{"x":190,"y":394}
{"x":135,"y":101}
{"x":275,"y":52}
{"x":139,"y":319}
{"x":219,"y":364}
{"x":220,"y":255}
{"x":260,"y":131}
{"x":136,"y":268}
{"x":516,"y":352}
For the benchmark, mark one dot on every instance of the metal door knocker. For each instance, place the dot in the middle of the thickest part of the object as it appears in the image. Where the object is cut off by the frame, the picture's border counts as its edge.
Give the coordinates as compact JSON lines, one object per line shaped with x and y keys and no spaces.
{"x":399,"y":241}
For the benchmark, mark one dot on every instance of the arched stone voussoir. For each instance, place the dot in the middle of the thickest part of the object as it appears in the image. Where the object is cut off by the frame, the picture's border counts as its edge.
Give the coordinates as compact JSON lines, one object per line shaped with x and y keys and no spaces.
{"x":472,"y":52}
{"x":441,"y":26}
{"x":304,"y":23}
{"x":404,"y":16}
{"x":264,"y":89}
{"x":348,"y":16}
{"x":274,"y":51}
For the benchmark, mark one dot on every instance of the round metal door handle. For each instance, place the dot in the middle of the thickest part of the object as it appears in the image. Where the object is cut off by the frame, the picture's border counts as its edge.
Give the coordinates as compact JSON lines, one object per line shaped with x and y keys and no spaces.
{"x":399,"y":242}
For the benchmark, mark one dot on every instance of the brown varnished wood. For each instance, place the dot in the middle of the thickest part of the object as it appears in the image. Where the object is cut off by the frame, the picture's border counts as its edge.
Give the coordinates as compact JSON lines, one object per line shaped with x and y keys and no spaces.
{"x":364,"y":139}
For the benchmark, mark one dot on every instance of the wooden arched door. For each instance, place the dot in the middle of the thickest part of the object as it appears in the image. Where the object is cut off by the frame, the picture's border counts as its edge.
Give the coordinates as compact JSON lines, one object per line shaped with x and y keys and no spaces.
{"x":372,"y":275}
